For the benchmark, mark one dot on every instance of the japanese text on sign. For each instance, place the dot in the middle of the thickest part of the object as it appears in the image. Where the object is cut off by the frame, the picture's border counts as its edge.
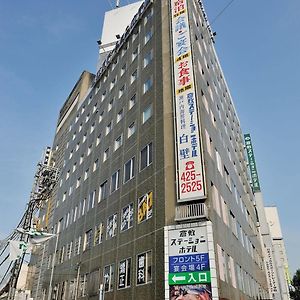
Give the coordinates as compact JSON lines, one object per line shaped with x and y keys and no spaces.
{"x":189,"y":157}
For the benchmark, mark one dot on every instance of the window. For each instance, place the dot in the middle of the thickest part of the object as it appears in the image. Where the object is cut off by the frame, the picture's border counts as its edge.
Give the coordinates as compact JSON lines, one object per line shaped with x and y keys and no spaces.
{"x":124,"y":273}
{"x":145,"y":207}
{"x":101,"y":116}
{"x":92,"y":127}
{"x":120,"y":115}
{"x":148,"y":58}
{"x":87,"y":118}
{"x":75,"y":213}
{"x":78,"y":182}
{"x":121,"y":91}
{"x":71,"y":154}
{"x":81,"y":159}
{"x":148,"y":16}
{"x":147,"y":113}
{"x":95,"y":165}
{"x":74,"y":136}
{"x":70,"y":190}
{"x":108,"y":128}
{"x":112,"y":84}
{"x":148,"y":35}
{"x":86,"y":174}
{"x":68,"y":175}
{"x":144,"y":268}
{"x":219,"y":161}
{"x":95,"y":108}
{"x":146,"y":156}
{"x":132,"y":101}
{"x":89,"y":150}
{"x":88,"y":238}
{"x":129,"y":169}
{"x":98,"y":139}
{"x":80,"y":127}
{"x":105,"y":154}
{"x":98,"y":236}
{"x":118,"y":142}
{"x":84,"y":138}
{"x":108,"y":277}
{"x":127,"y":217}
{"x":227,"y":178}
{"x":91,"y":202}
{"x":83,"y":206}
{"x":110,"y":105}
{"x":103,"y":191}
{"x":123,"y":69}
{"x":134,"y":76}
{"x":103,"y":96}
{"x":115,"y":181}
{"x":77,"y":146}
{"x":135,"y":53}
{"x":131,"y":129}
{"x":77,"y":246}
{"x":147,"y":85}
{"x":111,"y":228}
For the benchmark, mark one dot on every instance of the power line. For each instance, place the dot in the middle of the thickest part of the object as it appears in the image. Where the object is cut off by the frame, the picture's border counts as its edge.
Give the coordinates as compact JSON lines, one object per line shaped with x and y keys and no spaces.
{"x":221,"y":12}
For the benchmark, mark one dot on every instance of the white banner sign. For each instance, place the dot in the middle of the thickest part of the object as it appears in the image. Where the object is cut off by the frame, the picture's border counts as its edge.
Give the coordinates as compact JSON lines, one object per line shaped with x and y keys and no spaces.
{"x":189,"y":156}
{"x":188,"y":241}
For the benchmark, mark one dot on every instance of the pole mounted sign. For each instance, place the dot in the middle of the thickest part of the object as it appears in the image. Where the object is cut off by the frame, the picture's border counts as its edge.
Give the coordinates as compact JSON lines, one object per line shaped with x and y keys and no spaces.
{"x":252,"y":164}
{"x":188,"y":143}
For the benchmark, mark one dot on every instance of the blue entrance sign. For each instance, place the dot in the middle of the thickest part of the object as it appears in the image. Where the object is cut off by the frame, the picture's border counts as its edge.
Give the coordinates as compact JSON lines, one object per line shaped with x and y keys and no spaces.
{"x":189,"y":263}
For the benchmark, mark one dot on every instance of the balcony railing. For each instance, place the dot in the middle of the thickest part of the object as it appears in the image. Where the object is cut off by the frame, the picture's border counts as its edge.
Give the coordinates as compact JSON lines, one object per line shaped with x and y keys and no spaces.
{"x":191,"y":212}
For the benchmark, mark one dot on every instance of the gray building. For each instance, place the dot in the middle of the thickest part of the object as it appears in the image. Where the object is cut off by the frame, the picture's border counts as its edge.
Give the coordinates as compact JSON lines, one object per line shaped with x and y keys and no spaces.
{"x":153,"y":176}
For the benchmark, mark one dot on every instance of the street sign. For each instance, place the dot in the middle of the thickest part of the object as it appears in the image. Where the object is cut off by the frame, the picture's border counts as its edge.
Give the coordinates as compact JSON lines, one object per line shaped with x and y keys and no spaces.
{"x":189,"y":278}
{"x":189,"y":263}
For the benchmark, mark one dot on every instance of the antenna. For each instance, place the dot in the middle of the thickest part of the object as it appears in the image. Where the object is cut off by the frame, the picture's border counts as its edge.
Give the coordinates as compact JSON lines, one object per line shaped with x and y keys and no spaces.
{"x":118,"y":3}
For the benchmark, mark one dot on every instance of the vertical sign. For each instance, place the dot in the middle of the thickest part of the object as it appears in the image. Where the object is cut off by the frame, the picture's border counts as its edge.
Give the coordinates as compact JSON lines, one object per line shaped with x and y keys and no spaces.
{"x":252,"y":165}
{"x":189,"y":269}
{"x":189,"y":156}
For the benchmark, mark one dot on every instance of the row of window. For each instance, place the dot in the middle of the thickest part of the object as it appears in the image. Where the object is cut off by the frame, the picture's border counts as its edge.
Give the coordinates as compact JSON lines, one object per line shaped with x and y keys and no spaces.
{"x":235,"y":275}
{"x":146,"y":158}
{"x":142,"y":269}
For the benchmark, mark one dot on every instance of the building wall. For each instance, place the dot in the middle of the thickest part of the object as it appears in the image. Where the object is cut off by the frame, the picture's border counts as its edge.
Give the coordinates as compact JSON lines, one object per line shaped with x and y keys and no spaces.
{"x":90,"y":132}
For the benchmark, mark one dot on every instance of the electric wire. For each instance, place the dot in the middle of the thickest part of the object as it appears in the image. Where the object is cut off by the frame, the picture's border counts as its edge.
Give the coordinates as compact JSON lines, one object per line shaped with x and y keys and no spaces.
{"x":222,"y":11}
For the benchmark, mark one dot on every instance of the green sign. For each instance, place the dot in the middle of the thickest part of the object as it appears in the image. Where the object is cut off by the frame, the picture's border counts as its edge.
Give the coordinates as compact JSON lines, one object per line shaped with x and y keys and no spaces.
{"x":189,"y":278}
{"x":252,"y":165}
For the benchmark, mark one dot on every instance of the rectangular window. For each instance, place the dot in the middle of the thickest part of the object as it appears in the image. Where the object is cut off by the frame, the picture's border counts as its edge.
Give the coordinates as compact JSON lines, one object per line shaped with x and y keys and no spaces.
{"x":144,"y":268}
{"x":108,"y":128}
{"x":120,"y":115}
{"x":115,"y":181}
{"x":147,"y":85}
{"x":105,"y":154}
{"x":133,"y":76}
{"x":108,"y":278}
{"x":89,"y":150}
{"x":124,"y":273}
{"x":110,"y":105}
{"x":88,"y":239}
{"x":146,"y":156}
{"x":86,"y":174}
{"x":135,"y":53}
{"x":127,"y":217}
{"x":121,"y":91}
{"x":145,"y":207}
{"x":103,"y":191}
{"x":219,"y":161}
{"x":123,"y":69}
{"x":95,"y":165}
{"x":91,"y":202}
{"x":129,"y":169}
{"x":101,"y":116}
{"x":147,"y":113}
{"x":131,"y":129}
{"x":227,"y":178}
{"x":148,"y":36}
{"x":148,"y":58}
{"x":118,"y":142}
{"x":111,"y":228}
{"x":132,"y":101}
{"x":98,"y":139}
{"x":98,"y":236}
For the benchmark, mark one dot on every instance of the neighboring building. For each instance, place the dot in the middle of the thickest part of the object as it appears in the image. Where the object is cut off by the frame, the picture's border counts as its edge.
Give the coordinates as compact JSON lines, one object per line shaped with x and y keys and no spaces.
{"x":154,"y":198}
{"x":279,"y":253}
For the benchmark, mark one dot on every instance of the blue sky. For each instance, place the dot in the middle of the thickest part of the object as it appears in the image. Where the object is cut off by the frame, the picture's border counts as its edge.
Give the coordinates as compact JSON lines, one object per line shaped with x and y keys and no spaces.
{"x":45,"y":45}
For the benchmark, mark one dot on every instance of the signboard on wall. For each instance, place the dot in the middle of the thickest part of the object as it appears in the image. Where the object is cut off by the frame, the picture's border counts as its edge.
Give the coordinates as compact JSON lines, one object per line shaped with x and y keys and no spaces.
{"x":188,"y":143}
{"x":252,"y":164}
{"x":188,"y":267}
